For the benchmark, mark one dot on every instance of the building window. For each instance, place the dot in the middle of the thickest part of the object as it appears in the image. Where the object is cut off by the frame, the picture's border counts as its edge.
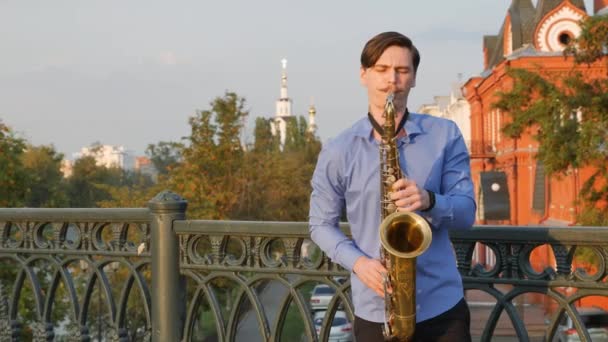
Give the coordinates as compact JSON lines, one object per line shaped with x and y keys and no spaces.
{"x":565,"y":38}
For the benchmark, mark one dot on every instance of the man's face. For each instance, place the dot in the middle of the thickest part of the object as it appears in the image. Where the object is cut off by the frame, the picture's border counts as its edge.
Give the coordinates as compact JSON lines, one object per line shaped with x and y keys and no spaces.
{"x":393,"y":72}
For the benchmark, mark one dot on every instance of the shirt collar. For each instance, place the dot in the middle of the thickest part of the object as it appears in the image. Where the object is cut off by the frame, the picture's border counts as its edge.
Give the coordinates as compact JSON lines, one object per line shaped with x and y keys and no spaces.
{"x":363,"y":128}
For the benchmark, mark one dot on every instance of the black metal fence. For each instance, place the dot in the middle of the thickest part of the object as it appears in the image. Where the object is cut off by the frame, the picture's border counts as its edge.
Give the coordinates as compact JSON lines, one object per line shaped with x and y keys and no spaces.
{"x":149,"y":274}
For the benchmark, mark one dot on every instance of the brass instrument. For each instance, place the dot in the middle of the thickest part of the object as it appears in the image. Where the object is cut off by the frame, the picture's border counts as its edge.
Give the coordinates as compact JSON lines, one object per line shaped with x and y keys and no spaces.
{"x":403,"y":235}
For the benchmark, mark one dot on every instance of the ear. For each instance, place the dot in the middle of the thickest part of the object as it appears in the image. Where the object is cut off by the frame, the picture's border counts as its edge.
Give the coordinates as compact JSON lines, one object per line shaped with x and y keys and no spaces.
{"x":363,"y":76}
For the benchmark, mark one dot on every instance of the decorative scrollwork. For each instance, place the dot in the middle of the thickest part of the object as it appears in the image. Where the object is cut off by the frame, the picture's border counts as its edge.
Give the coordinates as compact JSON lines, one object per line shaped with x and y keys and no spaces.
{"x":235,"y":251}
{"x":292,"y":250}
{"x":311,"y":256}
{"x":216,"y":247}
{"x":599,"y":269}
{"x":463,"y":256}
{"x":273,"y":253}
{"x":14,"y":235}
{"x":563,"y":259}
{"x":39,"y":237}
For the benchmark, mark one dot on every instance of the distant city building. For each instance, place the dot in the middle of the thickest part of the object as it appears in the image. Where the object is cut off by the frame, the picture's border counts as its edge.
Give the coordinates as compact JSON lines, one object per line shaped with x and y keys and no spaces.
{"x":66,"y":168}
{"x":109,"y":156}
{"x":146,"y":167}
{"x":454,"y":107}
{"x":283,"y":110}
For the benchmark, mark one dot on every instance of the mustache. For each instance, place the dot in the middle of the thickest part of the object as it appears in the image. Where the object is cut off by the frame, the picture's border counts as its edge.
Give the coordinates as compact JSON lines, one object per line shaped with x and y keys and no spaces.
{"x":391,"y":90}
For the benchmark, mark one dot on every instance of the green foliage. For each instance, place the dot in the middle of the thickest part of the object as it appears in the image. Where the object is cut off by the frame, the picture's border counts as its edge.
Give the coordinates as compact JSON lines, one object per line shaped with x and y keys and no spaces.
{"x":209,"y":174}
{"x":12,"y":172}
{"x":264,"y":140}
{"x":220,"y":178}
{"x":277,"y":183}
{"x":134,"y":191}
{"x":567,"y":113}
{"x":84,"y":186}
{"x":164,"y":155}
{"x":45,"y":186}
{"x":591,"y":44}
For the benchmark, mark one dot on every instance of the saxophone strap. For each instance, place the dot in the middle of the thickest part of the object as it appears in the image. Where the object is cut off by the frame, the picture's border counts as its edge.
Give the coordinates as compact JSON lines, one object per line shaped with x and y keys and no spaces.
{"x":379,"y":128}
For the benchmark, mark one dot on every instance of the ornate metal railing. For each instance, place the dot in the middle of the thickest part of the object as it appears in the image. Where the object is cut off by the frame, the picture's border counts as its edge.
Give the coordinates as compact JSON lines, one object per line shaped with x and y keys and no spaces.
{"x":562,"y":285}
{"x":149,"y":274}
{"x":55,"y":266}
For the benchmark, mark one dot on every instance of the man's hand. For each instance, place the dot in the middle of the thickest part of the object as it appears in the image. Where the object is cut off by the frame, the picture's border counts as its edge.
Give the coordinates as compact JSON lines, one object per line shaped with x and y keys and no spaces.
{"x":371,"y":273}
{"x":408,"y":196}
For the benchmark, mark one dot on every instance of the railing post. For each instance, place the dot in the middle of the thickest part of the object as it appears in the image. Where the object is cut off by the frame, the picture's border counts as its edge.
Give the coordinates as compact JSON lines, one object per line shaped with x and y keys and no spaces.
{"x":167,"y":288}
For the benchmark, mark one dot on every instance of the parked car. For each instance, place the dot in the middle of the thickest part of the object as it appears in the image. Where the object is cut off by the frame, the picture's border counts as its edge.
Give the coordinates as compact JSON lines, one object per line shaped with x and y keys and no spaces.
{"x":341,"y":329}
{"x":321,"y":296}
{"x":595,"y":321}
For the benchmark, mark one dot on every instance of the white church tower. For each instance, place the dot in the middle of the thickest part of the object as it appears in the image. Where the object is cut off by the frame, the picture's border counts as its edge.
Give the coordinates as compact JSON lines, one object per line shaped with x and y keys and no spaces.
{"x":283,"y":108}
{"x":312,"y":112}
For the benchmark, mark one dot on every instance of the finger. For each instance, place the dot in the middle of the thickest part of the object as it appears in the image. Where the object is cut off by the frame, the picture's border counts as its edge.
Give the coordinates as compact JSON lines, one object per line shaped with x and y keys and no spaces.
{"x":408,"y":201}
{"x":400,"y":183}
{"x":409,"y":209}
{"x":399,"y":194}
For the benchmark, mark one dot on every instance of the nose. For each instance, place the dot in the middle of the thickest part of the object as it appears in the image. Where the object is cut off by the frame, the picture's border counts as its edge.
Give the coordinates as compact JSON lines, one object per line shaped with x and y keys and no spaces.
{"x":392,"y":76}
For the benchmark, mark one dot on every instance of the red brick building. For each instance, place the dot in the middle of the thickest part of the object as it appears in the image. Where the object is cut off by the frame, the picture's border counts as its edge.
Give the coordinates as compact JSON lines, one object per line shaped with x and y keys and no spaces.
{"x":530,"y":37}
{"x":511,"y":186}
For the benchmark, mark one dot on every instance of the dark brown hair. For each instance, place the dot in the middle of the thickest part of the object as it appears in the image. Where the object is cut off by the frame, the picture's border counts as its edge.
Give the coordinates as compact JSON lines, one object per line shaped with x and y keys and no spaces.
{"x":375,"y":47}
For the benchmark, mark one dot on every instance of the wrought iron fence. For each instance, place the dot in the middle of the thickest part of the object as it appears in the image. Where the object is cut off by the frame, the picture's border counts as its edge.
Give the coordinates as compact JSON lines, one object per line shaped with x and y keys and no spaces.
{"x":149,"y":274}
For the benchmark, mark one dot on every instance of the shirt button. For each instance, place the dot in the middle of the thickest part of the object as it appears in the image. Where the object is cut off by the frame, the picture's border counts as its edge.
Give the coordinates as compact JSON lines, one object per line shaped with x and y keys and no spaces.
{"x":417,"y":307}
{"x":419,"y":291}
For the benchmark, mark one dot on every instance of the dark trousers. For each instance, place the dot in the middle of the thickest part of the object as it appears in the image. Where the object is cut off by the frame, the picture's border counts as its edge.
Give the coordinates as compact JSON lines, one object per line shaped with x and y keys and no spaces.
{"x":453,"y":325}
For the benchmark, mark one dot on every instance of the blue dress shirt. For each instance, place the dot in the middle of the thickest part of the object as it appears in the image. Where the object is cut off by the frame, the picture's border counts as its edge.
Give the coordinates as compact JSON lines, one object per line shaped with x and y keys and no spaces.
{"x":433,"y":154}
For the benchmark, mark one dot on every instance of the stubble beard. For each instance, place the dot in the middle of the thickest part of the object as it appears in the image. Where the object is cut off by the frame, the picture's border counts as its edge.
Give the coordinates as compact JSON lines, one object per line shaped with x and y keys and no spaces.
{"x":400,"y":103}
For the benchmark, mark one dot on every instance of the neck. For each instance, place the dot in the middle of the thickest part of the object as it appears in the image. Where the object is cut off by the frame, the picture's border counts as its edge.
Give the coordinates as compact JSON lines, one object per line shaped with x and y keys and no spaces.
{"x":378,"y":116}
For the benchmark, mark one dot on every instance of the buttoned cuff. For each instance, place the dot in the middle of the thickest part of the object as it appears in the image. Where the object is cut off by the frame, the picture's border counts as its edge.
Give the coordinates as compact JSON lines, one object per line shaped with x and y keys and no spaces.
{"x":442,"y":211}
{"x":348,"y":256}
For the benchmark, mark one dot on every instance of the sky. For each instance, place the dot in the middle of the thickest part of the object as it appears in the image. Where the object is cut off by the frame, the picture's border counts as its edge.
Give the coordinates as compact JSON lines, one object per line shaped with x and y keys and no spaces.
{"x":132,"y":72}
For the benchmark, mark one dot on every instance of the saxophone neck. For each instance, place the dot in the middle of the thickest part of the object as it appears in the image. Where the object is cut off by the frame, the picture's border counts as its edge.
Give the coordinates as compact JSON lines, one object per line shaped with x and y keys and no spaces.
{"x":389,"y":116}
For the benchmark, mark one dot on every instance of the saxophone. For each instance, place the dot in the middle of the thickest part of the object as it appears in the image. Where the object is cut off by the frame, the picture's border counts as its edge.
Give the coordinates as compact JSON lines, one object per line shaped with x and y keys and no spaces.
{"x":403,"y":235}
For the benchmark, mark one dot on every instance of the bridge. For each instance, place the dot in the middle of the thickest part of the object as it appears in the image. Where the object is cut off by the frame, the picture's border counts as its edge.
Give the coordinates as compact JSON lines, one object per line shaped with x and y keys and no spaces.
{"x":150,"y":274}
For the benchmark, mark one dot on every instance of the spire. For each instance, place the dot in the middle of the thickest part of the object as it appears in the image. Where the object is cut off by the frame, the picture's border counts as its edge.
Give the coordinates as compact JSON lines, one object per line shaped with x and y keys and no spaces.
{"x":283,"y":108}
{"x":284,"y":79}
{"x":284,"y":102}
{"x":522,"y":23}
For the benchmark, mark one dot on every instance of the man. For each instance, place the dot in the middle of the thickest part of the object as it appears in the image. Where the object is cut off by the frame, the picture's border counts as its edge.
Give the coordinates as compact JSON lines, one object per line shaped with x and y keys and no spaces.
{"x":437,"y":185}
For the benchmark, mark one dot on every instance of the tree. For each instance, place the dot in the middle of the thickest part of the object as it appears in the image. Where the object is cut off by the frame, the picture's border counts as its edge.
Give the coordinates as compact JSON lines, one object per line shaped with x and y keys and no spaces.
{"x":165,"y":155}
{"x":12,"y":172}
{"x":209,"y":174}
{"x":277,"y":183}
{"x":134,"y":191}
{"x":45,"y":187}
{"x":84,"y":186}
{"x":264,"y":140}
{"x":567,"y":115}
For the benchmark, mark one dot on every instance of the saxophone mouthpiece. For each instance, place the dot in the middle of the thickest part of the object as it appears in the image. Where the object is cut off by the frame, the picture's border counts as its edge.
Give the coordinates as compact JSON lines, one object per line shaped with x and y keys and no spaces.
{"x":390,"y":97}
